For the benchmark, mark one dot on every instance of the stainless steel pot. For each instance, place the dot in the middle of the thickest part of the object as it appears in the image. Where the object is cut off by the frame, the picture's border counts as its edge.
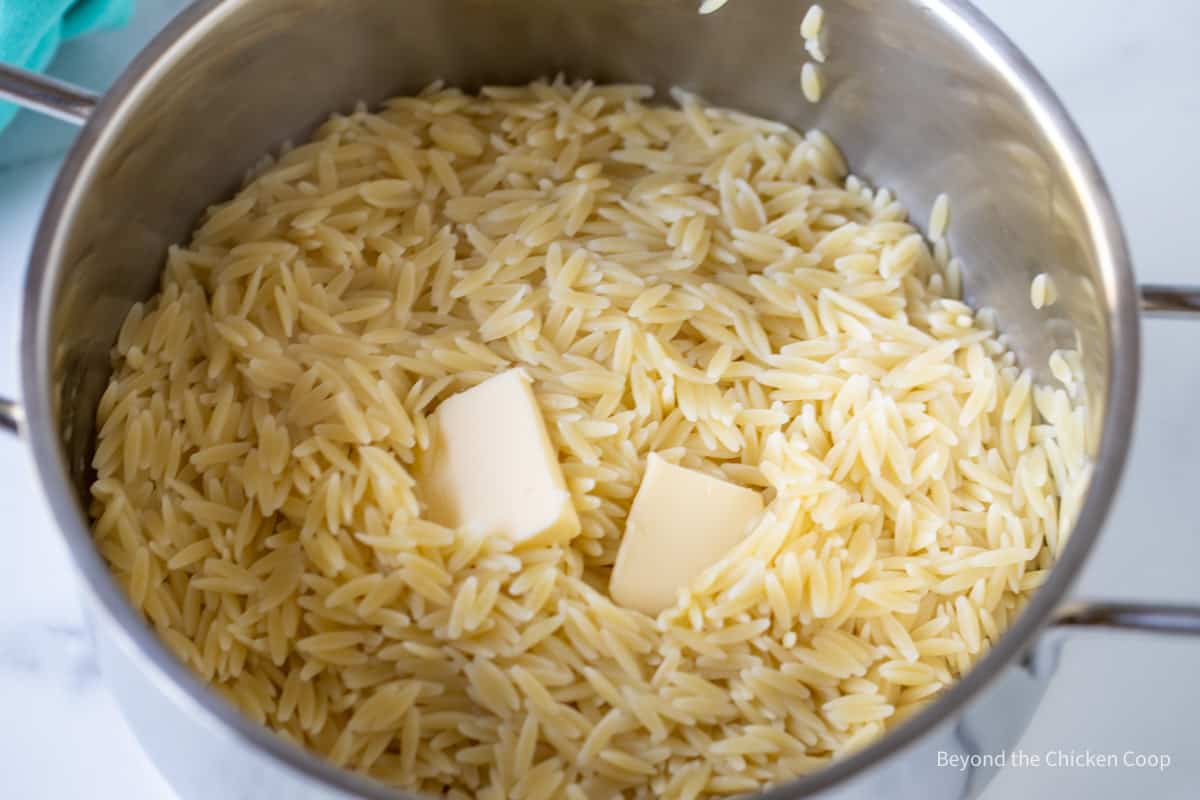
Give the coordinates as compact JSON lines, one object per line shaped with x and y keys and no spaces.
{"x":923,"y":96}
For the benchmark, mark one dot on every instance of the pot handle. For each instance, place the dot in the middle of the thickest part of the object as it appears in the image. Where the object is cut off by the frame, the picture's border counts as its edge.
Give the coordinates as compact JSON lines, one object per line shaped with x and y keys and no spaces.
{"x":46,"y":95}
{"x":1144,"y":617}
{"x":1158,"y":302}
{"x":12,"y":416}
{"x":57,"y":99}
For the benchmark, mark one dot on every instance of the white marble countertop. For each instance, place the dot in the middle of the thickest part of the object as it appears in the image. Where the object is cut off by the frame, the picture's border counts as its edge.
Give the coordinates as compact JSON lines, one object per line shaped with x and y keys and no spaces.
{"x":1132,"y":80}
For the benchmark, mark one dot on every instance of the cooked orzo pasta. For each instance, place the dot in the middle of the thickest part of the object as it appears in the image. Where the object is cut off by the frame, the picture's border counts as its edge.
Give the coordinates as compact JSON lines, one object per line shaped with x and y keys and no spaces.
{"x":685,"y":280}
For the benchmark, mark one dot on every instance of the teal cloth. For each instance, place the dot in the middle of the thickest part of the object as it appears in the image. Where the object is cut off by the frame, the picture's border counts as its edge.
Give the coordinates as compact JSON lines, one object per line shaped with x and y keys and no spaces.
{"x":31,"y":30}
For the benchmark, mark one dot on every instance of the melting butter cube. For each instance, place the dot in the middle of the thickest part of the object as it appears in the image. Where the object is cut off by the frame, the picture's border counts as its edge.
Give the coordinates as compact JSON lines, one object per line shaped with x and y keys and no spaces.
{"x":681,"y":522}
{"x":491,"y":466}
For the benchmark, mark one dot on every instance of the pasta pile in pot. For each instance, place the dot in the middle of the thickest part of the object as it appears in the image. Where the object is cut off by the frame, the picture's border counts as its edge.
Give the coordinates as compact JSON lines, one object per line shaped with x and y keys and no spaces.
{"x":682,"y":280}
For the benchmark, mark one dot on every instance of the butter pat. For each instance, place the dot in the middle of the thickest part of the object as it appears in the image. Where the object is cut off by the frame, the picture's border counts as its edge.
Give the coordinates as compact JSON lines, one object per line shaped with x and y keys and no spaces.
{"x":681,"y":523}
{"x":491,"y":466}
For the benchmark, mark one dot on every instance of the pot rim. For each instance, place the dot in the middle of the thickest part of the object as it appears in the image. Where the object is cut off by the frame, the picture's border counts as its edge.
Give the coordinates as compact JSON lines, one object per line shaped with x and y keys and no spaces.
{"x":177,"y":681}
